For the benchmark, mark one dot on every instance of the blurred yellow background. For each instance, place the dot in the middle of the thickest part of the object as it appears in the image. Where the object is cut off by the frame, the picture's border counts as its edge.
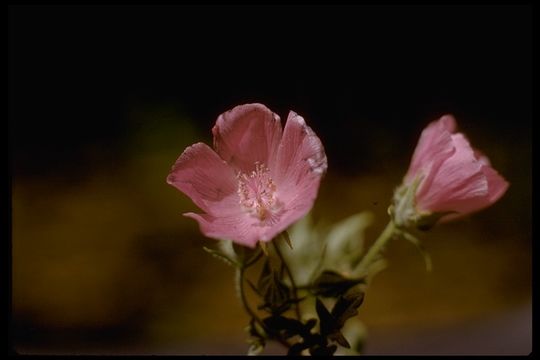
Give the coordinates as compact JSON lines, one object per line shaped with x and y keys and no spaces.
{"x":104,"y":263}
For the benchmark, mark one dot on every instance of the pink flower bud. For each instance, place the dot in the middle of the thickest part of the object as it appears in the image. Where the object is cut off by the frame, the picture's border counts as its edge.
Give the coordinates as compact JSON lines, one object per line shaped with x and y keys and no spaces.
{"x":447,"y":178}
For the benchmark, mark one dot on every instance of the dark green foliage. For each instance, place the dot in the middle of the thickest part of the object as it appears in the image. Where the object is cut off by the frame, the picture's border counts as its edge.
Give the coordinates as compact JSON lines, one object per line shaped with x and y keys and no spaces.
{"x":278,"y":300}
{"x":347,"y":305}
{"x":276,"y":294}
{"x":333,"y":284}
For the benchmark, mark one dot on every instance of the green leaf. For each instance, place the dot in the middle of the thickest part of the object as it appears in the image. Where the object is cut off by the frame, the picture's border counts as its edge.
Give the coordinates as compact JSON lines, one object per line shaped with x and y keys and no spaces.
{"x":347,"y":305}
{"x":276,"y":294}
{"x":310,"y":324}
{"x":316,"y":343}
{"x":265,"y":277}
{"x":379,"y":264}
{"x":323,"y":350}
{"x":333,"y":284}
{"x":326,"y":320}
{"x":223,"y":257}
{"x":287,"y":239}
{"x":338,"y":337}
{"x":320,"y":263}
{"x":296,"y":349}
{"x":329,"y":326}
{"x":345,"y":242}
{"x":355,"y":331}
{"x":287,"y":326}
{"x":255,"y":330}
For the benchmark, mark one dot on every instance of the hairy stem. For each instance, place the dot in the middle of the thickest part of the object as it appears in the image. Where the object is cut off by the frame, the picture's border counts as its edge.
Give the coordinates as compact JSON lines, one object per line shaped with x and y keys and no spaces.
{"x":242,"y":294}
{"x":377,"y":246}
{"x":293,"y":283}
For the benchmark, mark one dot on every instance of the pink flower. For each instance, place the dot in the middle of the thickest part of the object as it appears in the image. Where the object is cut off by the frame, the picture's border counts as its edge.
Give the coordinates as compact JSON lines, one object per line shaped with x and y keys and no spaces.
{"x":447,"y":176}
{"x":258,"y":181}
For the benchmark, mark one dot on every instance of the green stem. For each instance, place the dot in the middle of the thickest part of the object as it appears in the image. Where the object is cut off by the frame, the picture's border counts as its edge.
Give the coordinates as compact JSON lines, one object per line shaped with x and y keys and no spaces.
{"x":377,"y":246}
{"x":293,"y":283}
{"x":254,"y":260}
{"x":242,"y":293}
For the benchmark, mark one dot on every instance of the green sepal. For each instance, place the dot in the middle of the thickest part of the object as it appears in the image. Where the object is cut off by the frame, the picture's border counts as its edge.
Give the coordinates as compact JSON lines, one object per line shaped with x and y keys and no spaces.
{"x":287,"y":239}
{"x":221,"y":256}
{"x":425,"y":221}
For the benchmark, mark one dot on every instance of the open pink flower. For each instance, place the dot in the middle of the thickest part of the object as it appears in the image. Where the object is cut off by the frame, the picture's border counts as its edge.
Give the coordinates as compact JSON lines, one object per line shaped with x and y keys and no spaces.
{"x":449,"y":177}
{"x":258,"y":181}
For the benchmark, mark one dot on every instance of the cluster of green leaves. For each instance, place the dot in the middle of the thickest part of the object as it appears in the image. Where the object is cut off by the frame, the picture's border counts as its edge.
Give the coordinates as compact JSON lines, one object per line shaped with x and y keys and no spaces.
{"x":332,"y":271}
{"x":277,"y":298}
{"x":348,"y":295}
{"x":278,"y":315}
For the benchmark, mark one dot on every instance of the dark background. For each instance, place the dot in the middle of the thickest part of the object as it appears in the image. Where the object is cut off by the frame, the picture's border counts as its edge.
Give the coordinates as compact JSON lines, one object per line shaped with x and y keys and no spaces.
{"x":75,"y":71}
{"x":88,"y":83}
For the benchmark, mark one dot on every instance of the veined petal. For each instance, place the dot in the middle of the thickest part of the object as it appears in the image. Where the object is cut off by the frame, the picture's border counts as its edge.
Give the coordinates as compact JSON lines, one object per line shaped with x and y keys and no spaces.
{"x":459,"y":185}
{"x":293,"y":213}
{"x":433,"y":148}
{"x":298,"y":169}
{"x":497,"y":185}
{"x":203,"y":176}
{"x":300,"y":153}
{"x":247,"y":134}
{"x":239,"y":228}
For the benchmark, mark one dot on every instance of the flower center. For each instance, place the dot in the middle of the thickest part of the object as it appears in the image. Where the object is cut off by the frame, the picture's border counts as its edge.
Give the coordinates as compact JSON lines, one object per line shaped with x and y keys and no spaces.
{"x":257,"y":193}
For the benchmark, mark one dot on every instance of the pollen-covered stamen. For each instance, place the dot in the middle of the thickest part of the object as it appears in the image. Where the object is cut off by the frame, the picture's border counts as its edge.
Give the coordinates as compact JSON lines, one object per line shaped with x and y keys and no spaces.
{"x":257,"y":193}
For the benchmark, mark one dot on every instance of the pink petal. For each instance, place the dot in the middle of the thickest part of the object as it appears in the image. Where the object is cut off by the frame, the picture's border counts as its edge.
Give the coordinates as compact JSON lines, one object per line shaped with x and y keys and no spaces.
{"x":238,"y":228}
{"x":300,"y":164}
{"x":433,"y":148}
{"x":300,"y":154}
{"x":459,"y":185}
{"x":481,"y":157}
{"x":288,"y":217}
{"x":497,"y":185}
{"x":247,"y":134}
{"x":203,"y":176}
